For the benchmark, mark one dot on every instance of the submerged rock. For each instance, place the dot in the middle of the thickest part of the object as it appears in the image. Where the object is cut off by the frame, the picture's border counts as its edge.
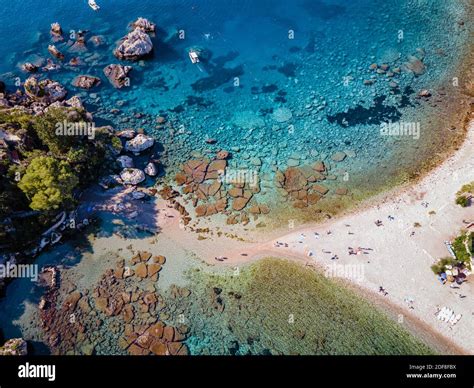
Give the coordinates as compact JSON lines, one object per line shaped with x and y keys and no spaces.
{"x":338,"y":156}
{"x":97,"y":40}
{"x":118,"y":75}
{"x":282,"y":115}
{"x":135,"y":45}
{"x":415,"y":65}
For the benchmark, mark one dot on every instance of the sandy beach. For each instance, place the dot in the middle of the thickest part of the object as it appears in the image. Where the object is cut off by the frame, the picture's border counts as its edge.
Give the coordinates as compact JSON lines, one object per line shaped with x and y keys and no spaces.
{"x":396,"y":255}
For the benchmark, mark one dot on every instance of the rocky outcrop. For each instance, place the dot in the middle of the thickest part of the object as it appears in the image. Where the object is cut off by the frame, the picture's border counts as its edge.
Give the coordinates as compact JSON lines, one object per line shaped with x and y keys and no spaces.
{"x":118,"y":75}
{"x":74,"y":102}
{"x":80,"y":43}
{"x":132,"y":176}
{"x":85,"y":81}
{"x":56,"y":32}
{"x":144,"y":24}
{"x":300,"y":183}
{"x":14,"y":347}
{"x":127,"y":134}
{"x":139,"y":143}
{"x":46,"y":90}
{"x":135,"y":45}
{"x":151,"y":169}
{"x":52,"y":49}
{"x":29,"y":67}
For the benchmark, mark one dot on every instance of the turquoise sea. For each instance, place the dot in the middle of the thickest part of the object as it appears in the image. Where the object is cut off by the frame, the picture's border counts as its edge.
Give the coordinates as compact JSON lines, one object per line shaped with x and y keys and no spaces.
{"x":283,"y":83}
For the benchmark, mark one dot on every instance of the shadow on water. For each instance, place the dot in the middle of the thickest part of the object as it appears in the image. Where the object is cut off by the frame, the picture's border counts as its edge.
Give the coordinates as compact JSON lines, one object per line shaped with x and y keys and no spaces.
{"x":376,"y":114}
{"x":218,"y":73}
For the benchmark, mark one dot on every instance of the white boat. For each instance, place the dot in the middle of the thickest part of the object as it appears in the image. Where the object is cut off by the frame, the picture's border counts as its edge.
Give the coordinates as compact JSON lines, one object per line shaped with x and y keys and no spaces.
{"x":93,"y":5}
{"x":194,"y":56}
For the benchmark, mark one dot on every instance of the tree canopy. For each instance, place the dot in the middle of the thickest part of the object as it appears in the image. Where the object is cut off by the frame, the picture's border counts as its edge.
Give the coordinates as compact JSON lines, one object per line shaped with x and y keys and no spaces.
{"x":48,"y":183}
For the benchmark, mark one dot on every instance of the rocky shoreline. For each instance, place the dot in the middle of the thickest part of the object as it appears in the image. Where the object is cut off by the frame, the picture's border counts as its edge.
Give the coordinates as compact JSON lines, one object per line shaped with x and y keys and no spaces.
{"x":125,"y":313}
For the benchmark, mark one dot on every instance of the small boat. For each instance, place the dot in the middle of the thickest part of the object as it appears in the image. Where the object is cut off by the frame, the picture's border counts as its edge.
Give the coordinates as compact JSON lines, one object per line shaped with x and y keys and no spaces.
{"x":194,"y":56}
{"x":93,"y":5}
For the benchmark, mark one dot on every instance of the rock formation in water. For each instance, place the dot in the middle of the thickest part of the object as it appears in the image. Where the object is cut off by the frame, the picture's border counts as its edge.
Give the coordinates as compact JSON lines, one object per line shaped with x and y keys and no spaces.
{"x":135,"y":45}
{"x":118,"y":75}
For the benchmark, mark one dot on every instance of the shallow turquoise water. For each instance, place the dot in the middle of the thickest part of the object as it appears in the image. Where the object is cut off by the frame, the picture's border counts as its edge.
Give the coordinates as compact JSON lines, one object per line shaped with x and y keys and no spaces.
{"x":309,"y":57}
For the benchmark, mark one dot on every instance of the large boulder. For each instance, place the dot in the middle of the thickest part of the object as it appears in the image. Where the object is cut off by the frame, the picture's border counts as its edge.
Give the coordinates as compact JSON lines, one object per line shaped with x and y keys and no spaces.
{"x":85,"y":81}
{"x":139,"y":143}
{"x":135,"y":45}
{"x":45,"y":90}
{"x":125,"y":161}
{"x":118,"y":75}
{"x":151,"y":169}
{"x":132,"y":176}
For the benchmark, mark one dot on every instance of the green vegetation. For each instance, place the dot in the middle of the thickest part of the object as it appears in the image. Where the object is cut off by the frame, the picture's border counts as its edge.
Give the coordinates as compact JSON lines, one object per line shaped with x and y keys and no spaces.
{"x":463,"y":249}
{"x":279,"y":307}
{"x":462,"y":200}
{"x":42,"y":170}
{"x":462,"y":196}
{"x":441,"y":265}
{"x":460,"y":247}
{"x":48,"y":183}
